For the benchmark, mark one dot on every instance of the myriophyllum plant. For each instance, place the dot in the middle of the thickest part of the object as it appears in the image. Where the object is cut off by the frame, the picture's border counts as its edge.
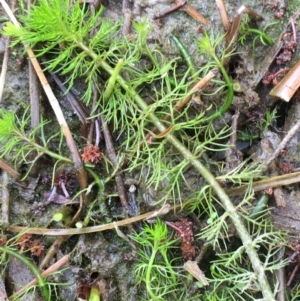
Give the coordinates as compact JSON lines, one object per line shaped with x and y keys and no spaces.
{"x":65,"y":31}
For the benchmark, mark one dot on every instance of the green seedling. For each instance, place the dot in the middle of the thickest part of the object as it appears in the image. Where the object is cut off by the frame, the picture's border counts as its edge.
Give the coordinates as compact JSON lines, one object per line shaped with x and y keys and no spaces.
{"x":154,"y":268}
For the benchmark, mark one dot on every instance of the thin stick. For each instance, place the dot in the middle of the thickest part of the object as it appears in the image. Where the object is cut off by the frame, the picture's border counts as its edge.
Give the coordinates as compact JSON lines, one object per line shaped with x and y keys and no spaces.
{"x":111,"y":154}
{"x":52,"y":251}
{"x":82,"y":176}
{"x":126,"y":9}
{"x":293,"y":275}
{"x":34,"y":97}
{"x":223,"y":14}
{"x":291,"y":133}
{"x":74,"y":231}
{"x":202,"y":82}
{"x":34,"y":89}
{"x":193,"y":13}
{"x":10,"y":170}
{"x":4,"y":67}
{"x":5,"y":59}
{"x":281,"y":276}
{"x":76,"y":104}
{"x":169,"y":10}
{"x":53,"y":268}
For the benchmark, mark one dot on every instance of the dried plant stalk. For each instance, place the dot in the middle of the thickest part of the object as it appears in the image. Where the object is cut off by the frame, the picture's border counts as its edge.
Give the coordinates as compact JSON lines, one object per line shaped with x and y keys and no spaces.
{"x":288,"y":85}
{"x":194,"y":13}
{"x":223,"y":14}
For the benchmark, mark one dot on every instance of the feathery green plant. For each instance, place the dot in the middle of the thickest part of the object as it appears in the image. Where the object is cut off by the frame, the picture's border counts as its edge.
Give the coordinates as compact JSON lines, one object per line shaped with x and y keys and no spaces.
{"x":154,"y":268}
{"x":159,"y":277}
{"x":19,"y":143}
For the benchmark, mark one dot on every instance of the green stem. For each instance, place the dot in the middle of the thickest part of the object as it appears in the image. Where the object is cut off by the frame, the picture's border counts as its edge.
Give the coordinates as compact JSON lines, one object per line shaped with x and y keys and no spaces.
{"x":168,"y":265}
{"x":42,"y":149}
{"x":33,"y":269}
{"x":261,"y":34}
{"x":148,"y":274}
{"x":112,"y":80}
{"x":230,"y":92}
{"x":183,"y":51}
{"x":227,"y":204}
{"x":260,"y":206}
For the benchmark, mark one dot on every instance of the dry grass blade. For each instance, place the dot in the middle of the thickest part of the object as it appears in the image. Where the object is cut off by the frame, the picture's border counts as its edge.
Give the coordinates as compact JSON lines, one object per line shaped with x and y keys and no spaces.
{"x":54,"y":232}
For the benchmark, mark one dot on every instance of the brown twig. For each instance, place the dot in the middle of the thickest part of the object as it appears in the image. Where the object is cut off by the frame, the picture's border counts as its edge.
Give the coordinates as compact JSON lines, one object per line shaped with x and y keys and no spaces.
{"x":34,"y":89}
{"x":233,"y":156}
{"x":234,"y":126}
{"x":5,"y":58}
{"x":290,"y":134}
{"x":294,"y":30}
{"x":293,"y":275}
{"x":4,"y":66}
{"x":10,"y":170}
{"x":281,"y":276}
{"x":233,"y":32}
{"x":93,"y":121}
{"x":223,"y":14}
{"x":52,"y":251}
{"x":193,"y":13}
{"x":111,"y":154}
{"x":126,"y":9}
{"x":170,"y":10}
{"x":202,"y":82}
{"x":76,"y":104}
